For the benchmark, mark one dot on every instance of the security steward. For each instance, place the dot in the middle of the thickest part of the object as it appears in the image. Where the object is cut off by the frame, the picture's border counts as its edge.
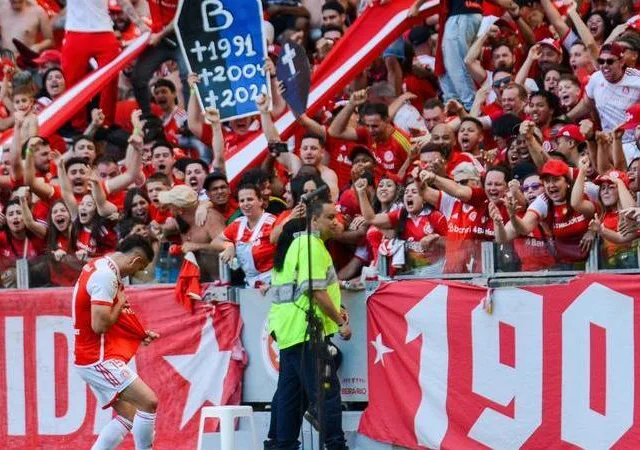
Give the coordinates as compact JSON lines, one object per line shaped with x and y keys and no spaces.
{"x":288,"y":322}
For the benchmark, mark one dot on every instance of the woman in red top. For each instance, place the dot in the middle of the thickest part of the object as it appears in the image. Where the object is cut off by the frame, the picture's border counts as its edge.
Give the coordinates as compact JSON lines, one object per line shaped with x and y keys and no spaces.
{"x":616,"y":252}
{"x":386,"y":201}
{"x":58,"y":229}
{"x":136,"y":205}
{"x":91,"y":235}
{"x":422,"y":230}
{"x":247,"y":238}
{"x":16,"y":241}
{"x":567,"y":243}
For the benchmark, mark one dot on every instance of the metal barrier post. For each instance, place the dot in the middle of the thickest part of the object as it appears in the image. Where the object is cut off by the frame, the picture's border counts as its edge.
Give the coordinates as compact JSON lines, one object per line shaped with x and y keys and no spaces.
{"x":488,"y":259}
{"x":22,"y":273}
{"x":224,"y":272}
{"x":594,"y":256}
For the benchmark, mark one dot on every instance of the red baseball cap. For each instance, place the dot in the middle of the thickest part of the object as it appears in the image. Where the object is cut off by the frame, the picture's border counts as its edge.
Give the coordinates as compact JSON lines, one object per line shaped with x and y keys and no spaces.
{"x":633,"y":117}
{"x":615,"y":49}
{"x":611,"y":176}
{"x":49,"y":56}
{"x":571,"y":131}
{"x":553,"y":43}
{"x":555,"y":168}
{"x":114,"y":6}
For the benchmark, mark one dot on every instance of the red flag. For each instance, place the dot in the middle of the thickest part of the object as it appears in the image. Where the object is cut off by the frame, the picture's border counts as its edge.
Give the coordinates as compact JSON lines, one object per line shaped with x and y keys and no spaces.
{"x":188,"y":286}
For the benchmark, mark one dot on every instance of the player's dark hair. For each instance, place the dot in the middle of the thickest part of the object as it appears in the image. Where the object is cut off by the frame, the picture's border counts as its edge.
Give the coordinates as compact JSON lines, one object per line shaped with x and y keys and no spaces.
{"x":136,"y":242}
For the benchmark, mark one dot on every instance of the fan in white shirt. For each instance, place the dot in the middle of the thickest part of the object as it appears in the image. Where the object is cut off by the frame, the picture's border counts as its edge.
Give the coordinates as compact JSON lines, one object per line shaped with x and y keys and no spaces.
{"x":611,"y":90}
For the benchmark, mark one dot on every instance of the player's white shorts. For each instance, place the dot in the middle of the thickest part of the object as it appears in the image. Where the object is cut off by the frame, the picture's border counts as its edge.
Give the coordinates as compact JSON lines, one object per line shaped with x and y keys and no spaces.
{"x":107,"y":379}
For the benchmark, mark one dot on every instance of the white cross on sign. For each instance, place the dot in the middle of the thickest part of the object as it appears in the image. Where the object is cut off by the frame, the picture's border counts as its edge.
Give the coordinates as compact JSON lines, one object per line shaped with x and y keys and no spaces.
{"x":198,"y":49}
{"x":211,"y":99}
{"x":289,"y":54}
{"x":205,"y":75}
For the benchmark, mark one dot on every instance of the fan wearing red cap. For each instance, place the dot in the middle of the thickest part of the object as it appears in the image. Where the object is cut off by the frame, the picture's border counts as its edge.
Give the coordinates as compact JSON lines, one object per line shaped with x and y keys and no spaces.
{"x":568,"y":139}
{"x":567,"y":226}
{"x":612,"y":90}
{"x":613,"y":196}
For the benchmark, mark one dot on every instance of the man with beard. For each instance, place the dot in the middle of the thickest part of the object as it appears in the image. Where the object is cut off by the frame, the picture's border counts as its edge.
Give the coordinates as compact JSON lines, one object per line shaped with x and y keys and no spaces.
{"x":390,"y":145}
{"x":123,"y":27}
{"x":611,"y":90}
{"x":312,"y":153}
{"x":502,"y":58}
{"x":619,"y":11}
{"x":174,"y":117}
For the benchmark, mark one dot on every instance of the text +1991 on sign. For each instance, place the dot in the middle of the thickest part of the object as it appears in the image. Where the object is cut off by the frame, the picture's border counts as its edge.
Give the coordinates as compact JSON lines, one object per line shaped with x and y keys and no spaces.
{"x":222,"y":41}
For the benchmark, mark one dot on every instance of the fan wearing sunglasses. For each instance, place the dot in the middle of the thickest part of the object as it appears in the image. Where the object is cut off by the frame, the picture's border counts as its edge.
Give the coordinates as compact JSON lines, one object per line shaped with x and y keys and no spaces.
{"x":532,"y":250}
{"x":612,"y":89}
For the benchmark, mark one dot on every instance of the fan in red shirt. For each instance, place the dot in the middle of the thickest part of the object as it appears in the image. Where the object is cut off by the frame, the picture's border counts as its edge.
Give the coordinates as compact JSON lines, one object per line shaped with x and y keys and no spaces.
{"x":107,"y":336}
{"x":613,"y":196}
{"x":464,"y":203}
{"x":532,"y":249}
{"x":422,"y":228}
{"x":390,"y":146}
{"x":219,"y":192}
{"x":569,"y":227}
{"x":247,"y":238}
{"x":174,"y":117}
{"x":16,"y":241}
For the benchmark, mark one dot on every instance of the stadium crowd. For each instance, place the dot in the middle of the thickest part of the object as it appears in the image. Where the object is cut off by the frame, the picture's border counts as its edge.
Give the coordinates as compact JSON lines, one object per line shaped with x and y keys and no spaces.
{"x":517,"y":123}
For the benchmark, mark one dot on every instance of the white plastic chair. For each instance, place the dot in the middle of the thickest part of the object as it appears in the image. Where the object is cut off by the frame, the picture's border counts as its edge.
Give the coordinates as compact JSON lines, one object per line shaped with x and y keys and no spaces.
{"x":227,"y":416}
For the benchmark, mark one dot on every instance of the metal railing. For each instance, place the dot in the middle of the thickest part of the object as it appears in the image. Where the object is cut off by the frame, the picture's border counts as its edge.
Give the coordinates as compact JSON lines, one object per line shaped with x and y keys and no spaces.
{"x":46,"y":272}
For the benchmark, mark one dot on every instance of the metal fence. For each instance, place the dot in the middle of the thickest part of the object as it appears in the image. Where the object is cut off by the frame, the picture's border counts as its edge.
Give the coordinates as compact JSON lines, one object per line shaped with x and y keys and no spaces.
{"x":499,"y":265}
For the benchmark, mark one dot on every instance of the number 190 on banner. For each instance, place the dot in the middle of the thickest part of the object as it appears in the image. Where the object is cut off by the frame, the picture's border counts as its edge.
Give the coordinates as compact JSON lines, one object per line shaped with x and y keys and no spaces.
{"x":222,"y":42}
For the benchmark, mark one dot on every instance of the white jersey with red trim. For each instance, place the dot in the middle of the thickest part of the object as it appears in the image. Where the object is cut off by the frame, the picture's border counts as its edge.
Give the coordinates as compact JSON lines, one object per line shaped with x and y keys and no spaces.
{"x":99,"y":284}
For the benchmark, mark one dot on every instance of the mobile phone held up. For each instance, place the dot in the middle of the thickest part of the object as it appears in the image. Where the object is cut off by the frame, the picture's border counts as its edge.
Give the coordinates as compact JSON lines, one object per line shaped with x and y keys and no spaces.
{"x":275,"y":148}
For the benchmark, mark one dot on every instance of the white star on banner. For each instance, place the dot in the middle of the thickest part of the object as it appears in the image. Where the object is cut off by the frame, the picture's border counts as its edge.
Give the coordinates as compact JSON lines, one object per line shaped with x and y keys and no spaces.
{"x":205,"y":370}
{"x":381,"y":349}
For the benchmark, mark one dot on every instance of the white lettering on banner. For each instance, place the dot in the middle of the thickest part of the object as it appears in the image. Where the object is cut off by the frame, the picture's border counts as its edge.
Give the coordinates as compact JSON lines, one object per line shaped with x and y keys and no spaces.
{"x":14,"y":365}
{"x":500,"y":383}
{"x":614,"y":312}
{"x":217,"y":10}
{"x":72,"y":420}
{"x":428,"y":318}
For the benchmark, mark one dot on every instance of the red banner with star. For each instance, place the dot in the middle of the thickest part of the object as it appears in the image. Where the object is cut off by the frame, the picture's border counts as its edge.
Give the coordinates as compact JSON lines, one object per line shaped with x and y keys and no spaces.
{"x":544,"y":367}
{"x":197,"y":361}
